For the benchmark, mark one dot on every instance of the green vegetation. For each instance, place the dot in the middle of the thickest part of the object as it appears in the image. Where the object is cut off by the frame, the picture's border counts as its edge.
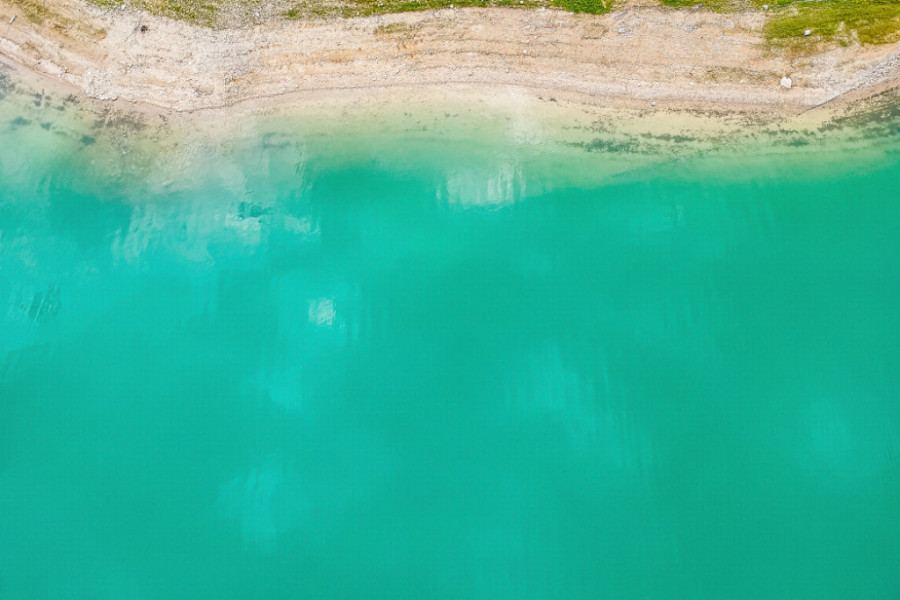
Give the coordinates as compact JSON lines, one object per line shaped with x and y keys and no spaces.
{"x":196,"y":11}
{"x":44,"y":13}
{"x":716,"y":5}
{"x":363,"y":8}
{"x":313,"y":9}
{"x":869,"y":21}
{"x":34,"y":10}
{"x":593,"y":7}
{"x":393,"y":28}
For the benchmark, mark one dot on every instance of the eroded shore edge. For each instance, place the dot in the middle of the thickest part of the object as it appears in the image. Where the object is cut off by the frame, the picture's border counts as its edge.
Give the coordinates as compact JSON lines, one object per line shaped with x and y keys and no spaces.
{"x":637,"y":58}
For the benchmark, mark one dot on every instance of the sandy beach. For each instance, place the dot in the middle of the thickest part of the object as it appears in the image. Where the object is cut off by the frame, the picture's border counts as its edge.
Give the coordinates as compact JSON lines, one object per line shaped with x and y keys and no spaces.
{"x":638,"y":56}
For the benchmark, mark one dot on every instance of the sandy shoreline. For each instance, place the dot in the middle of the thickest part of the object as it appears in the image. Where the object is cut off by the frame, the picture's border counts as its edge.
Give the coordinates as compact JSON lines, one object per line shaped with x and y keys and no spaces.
{"x":637,"y":57}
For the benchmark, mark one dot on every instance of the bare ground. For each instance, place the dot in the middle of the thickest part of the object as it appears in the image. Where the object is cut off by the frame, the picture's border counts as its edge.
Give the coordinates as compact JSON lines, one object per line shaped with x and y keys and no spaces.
{"x":637,"y":56}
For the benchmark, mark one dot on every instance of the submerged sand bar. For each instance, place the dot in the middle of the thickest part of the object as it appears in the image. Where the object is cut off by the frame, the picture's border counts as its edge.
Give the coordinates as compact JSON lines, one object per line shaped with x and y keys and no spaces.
{"x":637,"y":55}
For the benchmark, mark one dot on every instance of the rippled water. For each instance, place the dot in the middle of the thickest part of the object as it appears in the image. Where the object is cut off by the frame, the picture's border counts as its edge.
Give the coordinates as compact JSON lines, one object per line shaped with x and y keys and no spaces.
{"x":405,"y":367}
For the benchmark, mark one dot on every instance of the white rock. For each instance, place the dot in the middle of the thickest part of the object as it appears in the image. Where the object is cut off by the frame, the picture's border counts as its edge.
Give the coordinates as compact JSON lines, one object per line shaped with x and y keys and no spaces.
{"x":807,"y":32}
{"x":786,"y":83}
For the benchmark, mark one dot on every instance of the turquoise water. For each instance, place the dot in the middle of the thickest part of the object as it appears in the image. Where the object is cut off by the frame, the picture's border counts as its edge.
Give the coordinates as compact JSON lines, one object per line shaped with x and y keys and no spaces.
{"x":395,"y":366}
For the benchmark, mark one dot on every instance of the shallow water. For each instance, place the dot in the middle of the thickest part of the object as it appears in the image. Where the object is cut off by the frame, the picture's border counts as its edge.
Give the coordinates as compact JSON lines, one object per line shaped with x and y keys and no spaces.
{"x":409,"y":366}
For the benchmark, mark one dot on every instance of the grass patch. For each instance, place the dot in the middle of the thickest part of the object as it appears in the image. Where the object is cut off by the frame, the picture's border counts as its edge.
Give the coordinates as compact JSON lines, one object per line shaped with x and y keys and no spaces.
{"x":43,"y":13}
{"x":364,"y":8}
{"x":313,"y":9}
{"x":392,"y":28}
{"x":869,"y":21}
{"x":195,"y":11}
{"x":593,"y":7}
{"x":714,"y":5}
{"x":34,"y":10}
{"x":211,"y":13}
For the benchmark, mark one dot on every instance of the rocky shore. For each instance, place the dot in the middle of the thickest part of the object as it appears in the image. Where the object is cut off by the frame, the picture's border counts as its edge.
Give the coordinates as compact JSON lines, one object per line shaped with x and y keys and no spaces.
{"x":637,"y":56}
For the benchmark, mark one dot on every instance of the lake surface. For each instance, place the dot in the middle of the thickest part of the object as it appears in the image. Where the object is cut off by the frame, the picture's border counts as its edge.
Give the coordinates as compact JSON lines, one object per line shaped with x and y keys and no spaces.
{"x":394,"y":366}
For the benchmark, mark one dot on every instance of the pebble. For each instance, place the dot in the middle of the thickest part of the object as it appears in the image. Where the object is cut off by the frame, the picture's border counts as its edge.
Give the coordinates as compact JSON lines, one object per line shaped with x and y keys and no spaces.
{"x":807,"y":32}
{"x":786,"y":83}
